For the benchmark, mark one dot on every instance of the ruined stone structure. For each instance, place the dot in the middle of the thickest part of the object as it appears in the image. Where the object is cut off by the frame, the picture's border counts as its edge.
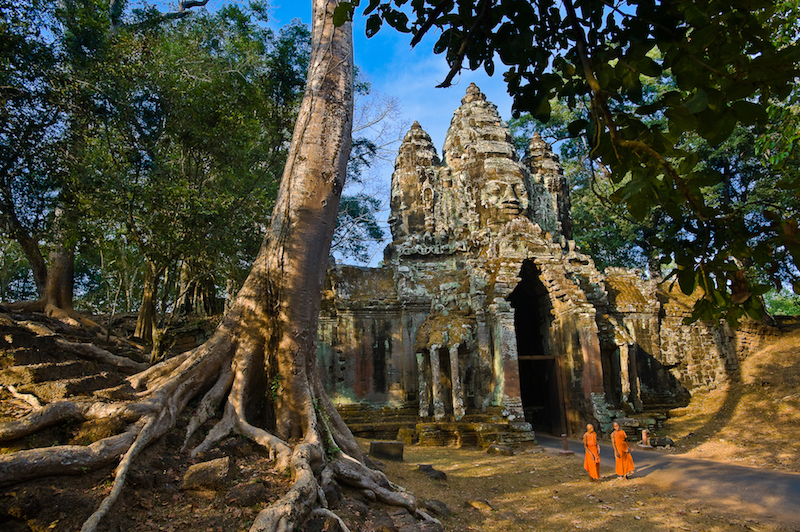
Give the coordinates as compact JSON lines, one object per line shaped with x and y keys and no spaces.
{"x":485,"y":304}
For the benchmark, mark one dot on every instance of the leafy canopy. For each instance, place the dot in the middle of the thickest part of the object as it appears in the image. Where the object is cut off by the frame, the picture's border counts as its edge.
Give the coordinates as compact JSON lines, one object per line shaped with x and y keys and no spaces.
{"x":730,"y":61}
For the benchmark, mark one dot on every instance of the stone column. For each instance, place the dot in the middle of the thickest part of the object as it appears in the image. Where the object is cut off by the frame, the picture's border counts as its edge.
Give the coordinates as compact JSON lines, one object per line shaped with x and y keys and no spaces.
{"x":455,"y":377}
{"x":436,"y":384}
{"x":629,"y":377}
{"x":509,"y":362}
{"x":423,"y":394}
{"x":484,"y":382}
{"x":592,"y":366}
{"x":624,"y":373}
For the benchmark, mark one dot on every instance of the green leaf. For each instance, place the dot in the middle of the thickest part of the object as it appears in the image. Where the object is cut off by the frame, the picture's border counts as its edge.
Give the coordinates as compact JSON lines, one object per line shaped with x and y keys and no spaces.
{"x":373,"y":25}
{"x":576,"y":127}
{"x":687,"y":279}
{"x":698,"y":102}
{"x":749,"y":113}
{"x":343,"y":13}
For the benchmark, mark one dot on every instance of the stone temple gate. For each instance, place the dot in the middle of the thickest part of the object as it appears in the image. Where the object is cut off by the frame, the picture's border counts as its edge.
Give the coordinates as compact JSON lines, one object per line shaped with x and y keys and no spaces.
{"x":485,"y":304}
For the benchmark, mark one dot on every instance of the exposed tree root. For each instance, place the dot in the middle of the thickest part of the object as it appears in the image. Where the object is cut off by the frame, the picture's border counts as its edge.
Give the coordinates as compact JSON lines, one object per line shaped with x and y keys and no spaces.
{"x":224,"y":369}
{"x":28,"y":398}
{"x":70,"y":317}
{"x":92,"y":352}
{"x":325,"y":513}
{"x":63,"y":459}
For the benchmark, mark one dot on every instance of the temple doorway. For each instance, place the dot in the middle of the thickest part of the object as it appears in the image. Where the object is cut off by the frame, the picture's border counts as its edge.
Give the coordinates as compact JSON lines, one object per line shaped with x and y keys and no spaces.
{"x":540,"y":371}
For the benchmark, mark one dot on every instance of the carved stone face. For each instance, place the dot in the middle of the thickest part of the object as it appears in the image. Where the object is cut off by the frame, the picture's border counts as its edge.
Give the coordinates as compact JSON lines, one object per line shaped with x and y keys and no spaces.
{"x":502,"y":200}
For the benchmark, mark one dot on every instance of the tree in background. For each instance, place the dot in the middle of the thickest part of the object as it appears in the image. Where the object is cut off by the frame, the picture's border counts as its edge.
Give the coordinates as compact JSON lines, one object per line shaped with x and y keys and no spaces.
{"x":731,"y":61}
{"x":32,"y":139}
{"x":186,"y":154}
{"x":377,"y":129}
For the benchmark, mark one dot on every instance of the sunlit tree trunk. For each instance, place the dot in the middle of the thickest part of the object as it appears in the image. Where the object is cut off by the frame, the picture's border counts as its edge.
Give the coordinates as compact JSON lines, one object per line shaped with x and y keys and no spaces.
{"x":282,"y":293}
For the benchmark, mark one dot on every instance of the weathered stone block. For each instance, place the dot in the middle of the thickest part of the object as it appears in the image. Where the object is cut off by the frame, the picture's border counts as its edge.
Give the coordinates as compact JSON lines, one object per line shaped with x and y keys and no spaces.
{"x":388,"y":450}
{"x":209,"y":475}
{"x":406,"y":435}
{"x":503,"y":450}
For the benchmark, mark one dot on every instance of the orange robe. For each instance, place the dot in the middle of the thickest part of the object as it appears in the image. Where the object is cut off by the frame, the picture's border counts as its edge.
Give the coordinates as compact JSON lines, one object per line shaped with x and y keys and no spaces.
{"x":619,"y":440}
{"x":591,"y":461}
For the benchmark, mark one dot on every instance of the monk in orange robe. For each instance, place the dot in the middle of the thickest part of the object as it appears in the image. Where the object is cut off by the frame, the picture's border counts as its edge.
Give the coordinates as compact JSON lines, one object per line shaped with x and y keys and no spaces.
{"x":619,"y":441}
{"x":591,"y":461}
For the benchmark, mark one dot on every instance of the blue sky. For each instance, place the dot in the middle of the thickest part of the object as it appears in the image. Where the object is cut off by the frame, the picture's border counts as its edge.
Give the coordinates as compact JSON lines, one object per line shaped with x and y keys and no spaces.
{"x":411,"y":75}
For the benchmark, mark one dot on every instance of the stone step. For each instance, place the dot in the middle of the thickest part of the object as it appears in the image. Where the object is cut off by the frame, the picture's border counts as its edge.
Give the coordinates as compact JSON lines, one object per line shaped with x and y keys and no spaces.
{"x":476,"y":429}
{"x":22,"y":357}
{"x":56,"y":390}
{"x":33,"y":373}
{"x":378,"y":430}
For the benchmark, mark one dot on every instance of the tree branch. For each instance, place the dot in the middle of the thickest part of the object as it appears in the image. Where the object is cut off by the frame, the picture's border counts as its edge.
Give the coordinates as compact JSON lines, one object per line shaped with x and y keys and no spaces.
{"x":600,"y":99}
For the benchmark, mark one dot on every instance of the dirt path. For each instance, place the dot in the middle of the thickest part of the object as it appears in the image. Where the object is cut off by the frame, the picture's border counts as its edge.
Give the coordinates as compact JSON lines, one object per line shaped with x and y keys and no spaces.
{"x":539,"y":490}
{"x":771,"y":494}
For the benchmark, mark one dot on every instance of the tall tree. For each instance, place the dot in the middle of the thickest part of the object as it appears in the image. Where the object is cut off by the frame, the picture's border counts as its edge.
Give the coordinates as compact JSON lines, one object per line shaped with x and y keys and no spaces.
{"x":728,"y":66}
{"x":31,"y":120}
{"x":267,"y":337}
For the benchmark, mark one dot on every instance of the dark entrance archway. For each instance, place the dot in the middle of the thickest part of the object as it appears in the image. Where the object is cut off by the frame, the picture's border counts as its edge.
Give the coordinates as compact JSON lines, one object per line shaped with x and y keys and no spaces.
{"x":540,"y":371}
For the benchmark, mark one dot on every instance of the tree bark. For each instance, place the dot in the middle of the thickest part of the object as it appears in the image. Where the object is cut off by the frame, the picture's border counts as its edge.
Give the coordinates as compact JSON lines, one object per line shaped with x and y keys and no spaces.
{"x":147,"y":311}
{"x":54,"y":283}
{"x":61,"y":277}
{"x":283,"y":290}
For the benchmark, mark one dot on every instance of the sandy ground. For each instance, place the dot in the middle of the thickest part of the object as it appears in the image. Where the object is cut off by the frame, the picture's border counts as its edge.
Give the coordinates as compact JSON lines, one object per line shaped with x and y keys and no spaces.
{"x":542,"y":491}
{"x":751,"y":422}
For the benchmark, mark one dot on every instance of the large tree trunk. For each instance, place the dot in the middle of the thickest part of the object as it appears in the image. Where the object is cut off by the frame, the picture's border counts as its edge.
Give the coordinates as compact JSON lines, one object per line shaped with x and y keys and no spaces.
{"x":61,"y":277}
{"x":30,"y":247}
{"x":268,"y":337}
{"x":147,"y":310}
{"x":56,"y":282}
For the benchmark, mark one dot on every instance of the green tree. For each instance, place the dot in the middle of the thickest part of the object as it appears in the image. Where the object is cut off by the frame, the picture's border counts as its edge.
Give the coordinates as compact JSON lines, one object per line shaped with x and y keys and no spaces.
{"x":31,"y":124}
{"x":377,"y":129}
{"x":189,"y":139}
{"x":728,"y":67}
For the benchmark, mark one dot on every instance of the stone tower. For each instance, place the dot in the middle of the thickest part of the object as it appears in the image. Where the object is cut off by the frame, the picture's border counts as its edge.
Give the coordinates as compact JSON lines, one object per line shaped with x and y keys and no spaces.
{"x":486,"y":305}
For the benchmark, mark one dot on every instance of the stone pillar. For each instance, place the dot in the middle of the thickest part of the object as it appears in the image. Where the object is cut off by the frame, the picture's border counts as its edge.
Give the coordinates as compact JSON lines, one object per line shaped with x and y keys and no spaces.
{"x":484,"y":383}
{"x":629,"y":377}
{"x":592,"y":365}
{"x":423,"y":394}
{"x":509,"y":362}
{"x":436,"y":384}
{"x":624,"y":373}
{"x":455,"y":377}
